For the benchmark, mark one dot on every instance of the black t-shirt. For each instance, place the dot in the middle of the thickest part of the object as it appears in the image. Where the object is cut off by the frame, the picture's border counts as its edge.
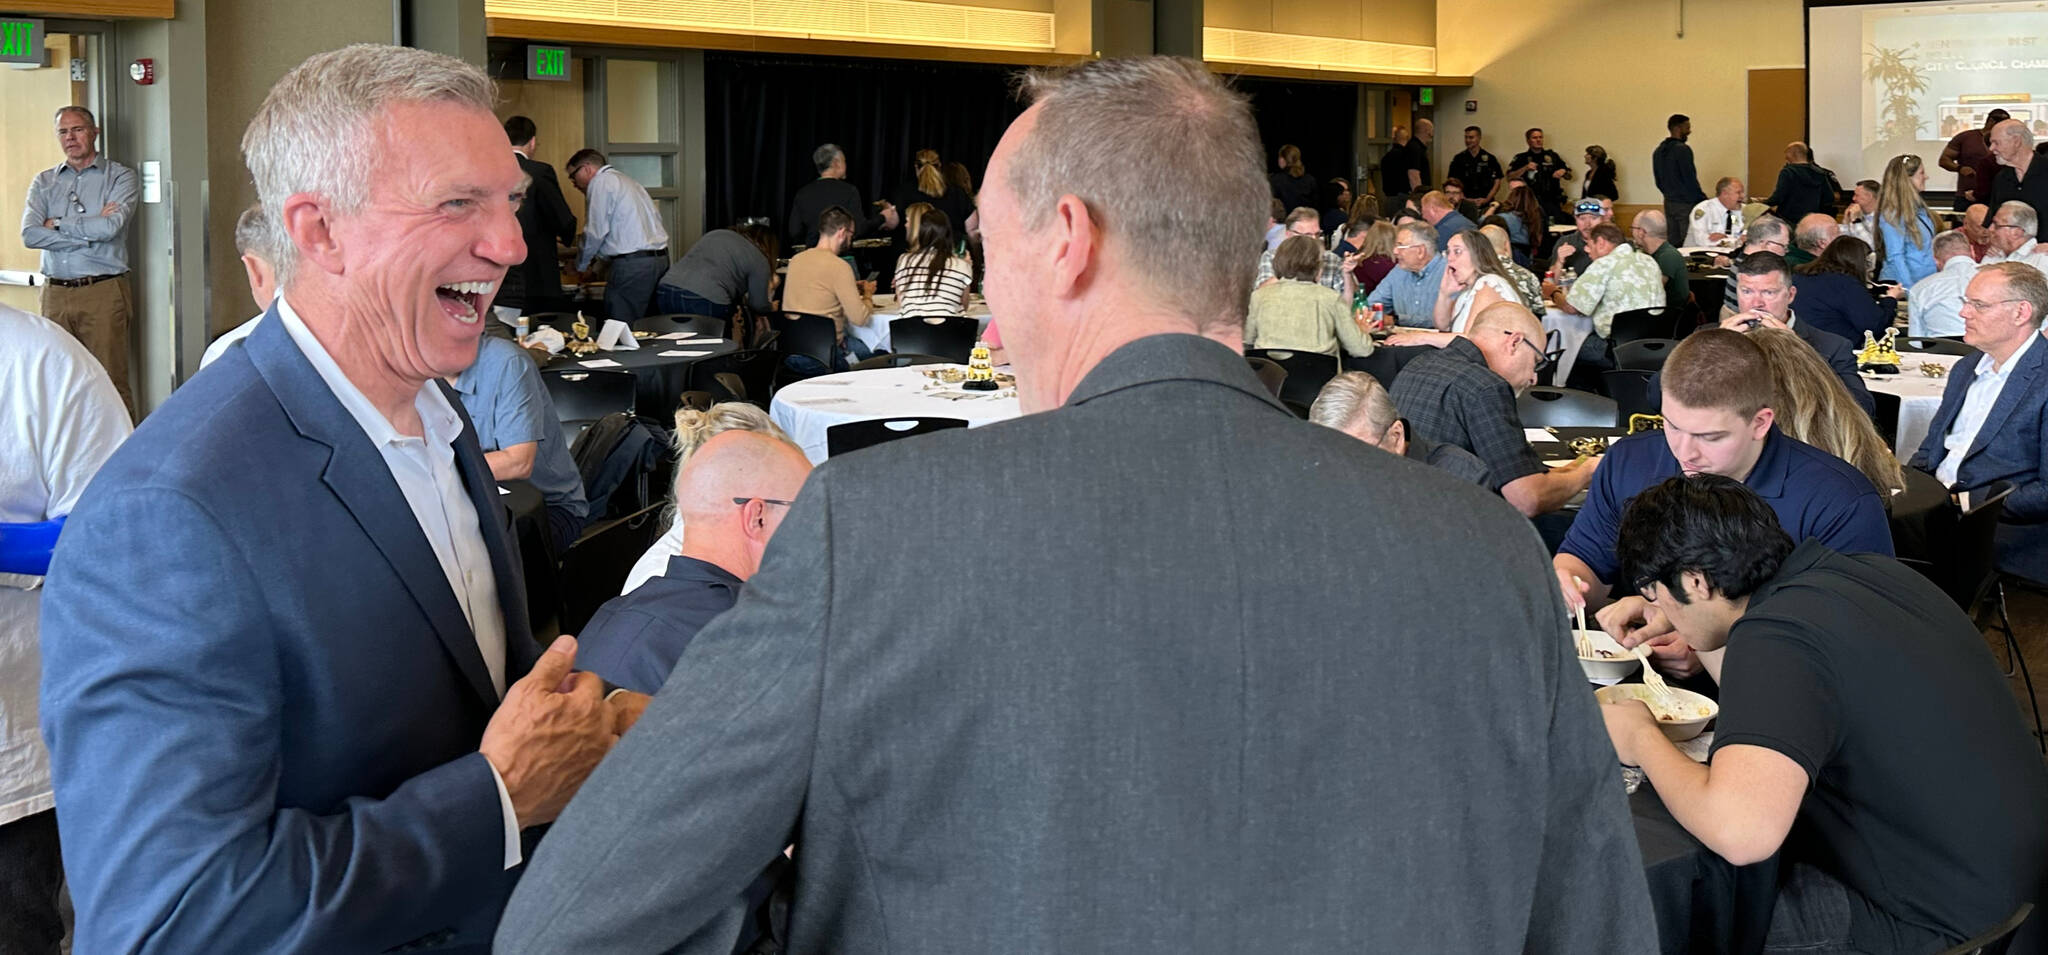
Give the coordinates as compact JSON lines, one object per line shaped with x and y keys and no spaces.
{"x":1927,"y":795}
{"x":1394,"y":167}
{"x":1294,"y":192}
{"x":2033,"y":190}
{"x":1479,"y":174}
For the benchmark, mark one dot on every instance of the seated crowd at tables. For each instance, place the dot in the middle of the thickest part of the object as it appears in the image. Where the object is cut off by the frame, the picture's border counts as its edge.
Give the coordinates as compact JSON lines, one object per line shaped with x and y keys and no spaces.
{"x":1118,"y":674}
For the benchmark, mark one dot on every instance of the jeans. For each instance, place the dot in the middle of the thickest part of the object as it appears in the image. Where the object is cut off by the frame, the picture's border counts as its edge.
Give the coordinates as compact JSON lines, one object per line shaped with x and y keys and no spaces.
{"x":1814,"y":915}
{"x":31,"y":879}
{"x":851,"y":347}
{"x":630,"y":289}
{"x":670,"y":300}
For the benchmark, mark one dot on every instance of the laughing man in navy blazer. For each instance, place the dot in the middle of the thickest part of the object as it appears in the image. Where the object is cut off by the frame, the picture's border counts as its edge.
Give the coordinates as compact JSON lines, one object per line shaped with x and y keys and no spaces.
{"x":290,"y":694}
{"x":1993,"y":421}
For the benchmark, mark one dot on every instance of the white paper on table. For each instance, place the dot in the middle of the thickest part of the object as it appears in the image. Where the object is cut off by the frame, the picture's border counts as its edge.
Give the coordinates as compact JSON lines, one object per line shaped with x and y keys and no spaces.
{"x":506,"y":314}
{"x":673,"y":336}
{"x":709,"y":341}
{"x":682,"y":354}
{"x":616,"y":336}
{"x":599,"y":363}
{"x":549,"y":338}
{"x":1536,"y":435}
{"x":503,"y":491}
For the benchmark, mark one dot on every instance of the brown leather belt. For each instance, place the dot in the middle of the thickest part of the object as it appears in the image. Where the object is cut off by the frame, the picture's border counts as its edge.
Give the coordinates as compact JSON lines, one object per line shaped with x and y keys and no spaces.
{"x":81,"y":283}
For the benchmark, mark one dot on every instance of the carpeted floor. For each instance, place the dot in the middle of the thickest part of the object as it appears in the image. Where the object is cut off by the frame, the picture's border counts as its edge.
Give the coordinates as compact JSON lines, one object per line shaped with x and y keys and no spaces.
{"x":2029,"y":611}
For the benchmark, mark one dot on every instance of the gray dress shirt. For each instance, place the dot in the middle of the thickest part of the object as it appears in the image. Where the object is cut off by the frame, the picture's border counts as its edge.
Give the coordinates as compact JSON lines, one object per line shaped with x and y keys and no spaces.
{"x":84,"y":243}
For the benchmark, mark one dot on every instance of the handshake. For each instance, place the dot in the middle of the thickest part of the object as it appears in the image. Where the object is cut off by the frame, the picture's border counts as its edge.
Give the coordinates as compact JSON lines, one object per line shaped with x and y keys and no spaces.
{"x":552,"y":729}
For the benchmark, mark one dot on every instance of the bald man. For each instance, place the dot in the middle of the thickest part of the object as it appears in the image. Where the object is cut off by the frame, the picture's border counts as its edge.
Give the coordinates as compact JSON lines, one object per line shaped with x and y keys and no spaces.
{"x":731,"y":496}
{"x":1803,"y":188}
{"x":1651,"y":233}
{"x":1812,"y":237}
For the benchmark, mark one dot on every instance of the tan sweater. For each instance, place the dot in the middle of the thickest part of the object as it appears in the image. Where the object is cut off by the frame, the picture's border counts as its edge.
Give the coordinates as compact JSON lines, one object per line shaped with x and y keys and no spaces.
{"x":821,"y":283}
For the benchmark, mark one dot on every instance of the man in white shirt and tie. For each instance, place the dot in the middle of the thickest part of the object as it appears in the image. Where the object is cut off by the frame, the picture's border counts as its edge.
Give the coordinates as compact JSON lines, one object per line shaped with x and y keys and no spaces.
{"x":1992,"y":425}
{"x":622,"y":225}
{"x":1717,"y":220}
{"x":1935,"y":303}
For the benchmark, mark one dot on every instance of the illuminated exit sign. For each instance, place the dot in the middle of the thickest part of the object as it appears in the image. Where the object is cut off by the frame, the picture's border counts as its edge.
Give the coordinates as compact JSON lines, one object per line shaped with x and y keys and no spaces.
{"x":547,"y":63}
{"x":21,"y":41}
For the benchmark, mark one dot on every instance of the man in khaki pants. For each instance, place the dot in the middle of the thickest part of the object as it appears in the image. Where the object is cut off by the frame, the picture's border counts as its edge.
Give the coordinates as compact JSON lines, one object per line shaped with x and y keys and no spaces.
{"x":77,"y":213}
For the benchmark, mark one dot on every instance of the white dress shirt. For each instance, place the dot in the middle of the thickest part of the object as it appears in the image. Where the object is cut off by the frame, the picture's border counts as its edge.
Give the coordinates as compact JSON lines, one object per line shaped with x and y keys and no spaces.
{"x":620,"y":218}
{"x":2030,"y":253}
{"x":1977,"y":405}
{"x":60,"y":419}
{"x":424,"y":469}
{"x":1709,"y":217}
{"x":654,"y":561}
{"x":1934,"y":306}
{"x":233,"y":335}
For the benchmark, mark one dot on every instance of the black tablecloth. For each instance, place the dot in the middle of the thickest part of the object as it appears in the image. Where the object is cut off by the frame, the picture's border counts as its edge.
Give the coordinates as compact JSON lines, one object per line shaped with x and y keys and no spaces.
{"x":1911,"y":509}
{"x":1703,"y":904}
{"x":659,"y":381}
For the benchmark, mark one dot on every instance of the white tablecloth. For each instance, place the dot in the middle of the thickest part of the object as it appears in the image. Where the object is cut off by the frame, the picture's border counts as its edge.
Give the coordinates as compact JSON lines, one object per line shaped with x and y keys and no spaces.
{"x":805,"y":409}
{"x":1919,"y":397}
{"x":875,"y":334}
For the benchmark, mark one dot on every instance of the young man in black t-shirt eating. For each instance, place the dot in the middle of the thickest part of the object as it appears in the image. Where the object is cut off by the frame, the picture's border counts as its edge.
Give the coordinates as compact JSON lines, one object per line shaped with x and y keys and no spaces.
{"x":1864,"y":730}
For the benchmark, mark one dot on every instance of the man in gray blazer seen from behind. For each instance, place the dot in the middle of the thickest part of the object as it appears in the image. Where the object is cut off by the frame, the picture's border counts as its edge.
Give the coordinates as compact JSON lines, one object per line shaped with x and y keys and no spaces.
{"x":1131,"y":673}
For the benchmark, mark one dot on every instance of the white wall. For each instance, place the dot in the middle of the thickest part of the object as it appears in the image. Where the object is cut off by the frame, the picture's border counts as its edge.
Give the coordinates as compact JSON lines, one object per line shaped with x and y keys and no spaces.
{"x":1610,"y":72}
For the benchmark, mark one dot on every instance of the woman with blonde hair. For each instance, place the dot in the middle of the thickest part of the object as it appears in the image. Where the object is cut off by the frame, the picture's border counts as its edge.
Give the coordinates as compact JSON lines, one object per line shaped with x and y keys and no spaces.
{"x":693,"y":428}
{"x":928,"y":184}
{"x":1813,"y":406}
{"x":1905,"y":229}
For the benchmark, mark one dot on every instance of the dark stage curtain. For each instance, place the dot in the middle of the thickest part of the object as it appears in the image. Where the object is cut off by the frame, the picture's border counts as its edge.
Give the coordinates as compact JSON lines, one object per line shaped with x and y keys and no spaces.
{"x":765,"y":114}
{"x":1318,"y":118}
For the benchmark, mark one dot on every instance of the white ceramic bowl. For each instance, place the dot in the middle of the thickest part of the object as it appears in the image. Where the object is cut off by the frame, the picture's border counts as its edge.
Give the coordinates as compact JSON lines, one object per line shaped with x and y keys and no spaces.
{"x":1606,"y":669}
{"x":1690,"y":713}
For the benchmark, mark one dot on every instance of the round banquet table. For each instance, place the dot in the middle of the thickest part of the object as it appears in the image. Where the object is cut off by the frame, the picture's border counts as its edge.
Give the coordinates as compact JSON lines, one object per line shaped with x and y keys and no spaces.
{"x":805,"y":409}
{"x":875,"y":334}
{"x":660,"y":367}
{"x":1919,"y":397}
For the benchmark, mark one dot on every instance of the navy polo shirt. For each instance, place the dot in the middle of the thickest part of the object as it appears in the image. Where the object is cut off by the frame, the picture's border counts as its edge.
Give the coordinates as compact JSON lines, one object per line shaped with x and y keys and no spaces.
{"x":1816,"y":495}
{"x":634,"y":641}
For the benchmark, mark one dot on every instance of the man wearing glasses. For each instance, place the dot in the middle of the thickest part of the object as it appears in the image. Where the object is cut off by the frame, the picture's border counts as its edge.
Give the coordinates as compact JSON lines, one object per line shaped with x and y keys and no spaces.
{"x":731,"y":495}
{"x":1411,"y":288}
{"x":1308,"y":222}
{"x":2012,"y":237}
{"x":1993,"y":418}
{"x":1463,"y":394}
{"x":77,"y":214}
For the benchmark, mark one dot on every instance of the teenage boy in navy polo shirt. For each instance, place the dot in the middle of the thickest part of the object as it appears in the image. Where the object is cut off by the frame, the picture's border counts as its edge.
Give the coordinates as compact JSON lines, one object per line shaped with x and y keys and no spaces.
{"x":1718,"y":394}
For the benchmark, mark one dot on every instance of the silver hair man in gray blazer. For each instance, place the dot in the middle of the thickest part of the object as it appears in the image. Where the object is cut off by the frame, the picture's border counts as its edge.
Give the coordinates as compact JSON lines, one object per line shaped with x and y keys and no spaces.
{"x":1154,"y":668}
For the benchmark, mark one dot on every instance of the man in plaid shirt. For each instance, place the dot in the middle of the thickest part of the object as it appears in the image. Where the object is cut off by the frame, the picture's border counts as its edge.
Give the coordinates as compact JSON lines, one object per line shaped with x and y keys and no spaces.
{"x":1464,"y":394}
{"x":1308,"y":222}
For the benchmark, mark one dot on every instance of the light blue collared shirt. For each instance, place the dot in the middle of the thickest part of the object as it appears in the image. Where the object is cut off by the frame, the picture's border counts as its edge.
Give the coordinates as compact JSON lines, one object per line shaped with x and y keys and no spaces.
{"x":1978,"y":401}
{"x":1411,"y":295}
{"x":621,"y":218}
{"x":509,"y":406}
{"x":84,"y":243}
{"x":424,"y":469}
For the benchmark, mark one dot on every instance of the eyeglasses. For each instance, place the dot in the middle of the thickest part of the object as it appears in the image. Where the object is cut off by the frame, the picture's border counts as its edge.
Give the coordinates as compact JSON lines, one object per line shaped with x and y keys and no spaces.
{"x":2005,"y":225}
{"x":1977,"y":305}
{"x":742,"y":501}
{"x":1411,"y":245}
{"x":77,"y":206}
{"x":1542,"y":360}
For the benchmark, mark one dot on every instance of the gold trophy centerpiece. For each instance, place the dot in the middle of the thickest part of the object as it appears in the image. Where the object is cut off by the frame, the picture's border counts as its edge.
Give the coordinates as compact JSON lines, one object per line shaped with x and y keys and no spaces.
{"x":981,"y":374}
{"x":581,"y":344}
{"x":1879,"y":356}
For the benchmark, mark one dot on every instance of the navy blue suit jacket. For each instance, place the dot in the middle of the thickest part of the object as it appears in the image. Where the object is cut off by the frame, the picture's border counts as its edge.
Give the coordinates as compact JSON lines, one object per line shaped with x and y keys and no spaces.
{"x":1841,"y":305}
{"x":2011,"y":446}
{"x":261,"y":697}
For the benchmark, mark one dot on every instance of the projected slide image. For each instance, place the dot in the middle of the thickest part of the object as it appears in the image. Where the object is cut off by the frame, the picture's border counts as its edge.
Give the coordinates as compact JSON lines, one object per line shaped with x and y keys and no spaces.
{"x":1906,"y":78}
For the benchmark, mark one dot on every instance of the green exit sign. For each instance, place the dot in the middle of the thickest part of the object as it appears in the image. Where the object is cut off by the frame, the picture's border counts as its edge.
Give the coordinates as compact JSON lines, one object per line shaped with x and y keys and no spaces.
{"x":547,"y":63}
{"x":1429,"y":96}
{"x":21,"y":41}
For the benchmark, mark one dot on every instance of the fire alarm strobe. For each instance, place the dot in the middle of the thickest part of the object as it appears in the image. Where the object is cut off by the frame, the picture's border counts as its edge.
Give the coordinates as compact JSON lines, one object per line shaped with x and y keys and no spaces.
{"x":143,"y":72}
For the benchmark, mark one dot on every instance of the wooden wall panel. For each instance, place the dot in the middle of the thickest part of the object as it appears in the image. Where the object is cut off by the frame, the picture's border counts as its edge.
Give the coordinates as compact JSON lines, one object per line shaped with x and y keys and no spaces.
{"x":28,"y":100}
{"x":1777,"y":115}
{"x":557,"y":110}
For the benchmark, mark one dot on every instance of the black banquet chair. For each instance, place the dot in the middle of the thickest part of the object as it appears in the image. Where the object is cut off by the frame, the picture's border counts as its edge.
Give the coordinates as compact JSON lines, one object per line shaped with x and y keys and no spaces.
{"x":1546,"y":407}
{"x":1270,"y":373}
{"x":583,"y":395}
{"x":704,"y":325}
{"x":1998,"y":939}
{"x":810,"y":336}
{"x":595,"y":567}
{"x":1307,"y":372}
{"x":1641,"y":323}
{"x":1643,"y":354}
{"x":950,"y":338}
{"x":1932,"y":346}
{"x":1630,"y":389}
{"x":752,"y":370}
{"x":899,"y":359}
{"x":855,"y":435}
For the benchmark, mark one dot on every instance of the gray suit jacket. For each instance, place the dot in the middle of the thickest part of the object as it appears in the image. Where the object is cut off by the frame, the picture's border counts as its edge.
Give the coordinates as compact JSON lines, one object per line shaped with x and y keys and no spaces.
{"x":1164,"y":670}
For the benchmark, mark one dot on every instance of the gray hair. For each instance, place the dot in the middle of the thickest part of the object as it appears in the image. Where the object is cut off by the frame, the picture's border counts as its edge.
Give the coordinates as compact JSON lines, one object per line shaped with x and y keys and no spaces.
{"x":1418,"y":231}
{"x":1814,"y":231}
{"x":1952,"y":242}
{"x":2025,"y":283}
{"x":1767,"y":229}
{"x":2022,"y":215}
{"x":252,"y":233}
{"x":1653,"y":225}
{"x":2015,"y":129}
{"x":1098,"y":137}
{"x":80,"y":110}
{"x":1354,"y":402}
{"x":823,"y":156}
{"x":311,"y":132}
